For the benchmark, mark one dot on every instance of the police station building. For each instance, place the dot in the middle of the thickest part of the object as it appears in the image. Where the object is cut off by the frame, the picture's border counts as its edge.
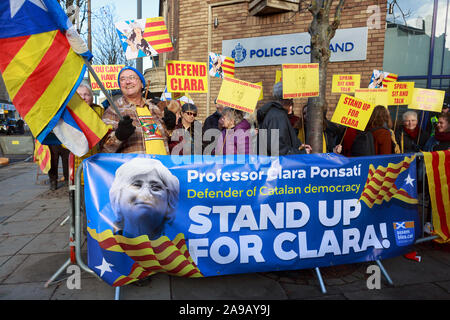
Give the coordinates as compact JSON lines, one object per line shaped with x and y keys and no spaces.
{"x":405,"y":37}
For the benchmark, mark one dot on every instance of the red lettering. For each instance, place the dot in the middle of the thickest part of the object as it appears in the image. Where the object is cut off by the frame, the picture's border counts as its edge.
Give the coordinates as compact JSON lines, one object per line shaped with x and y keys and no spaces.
{"x":170,"y":69}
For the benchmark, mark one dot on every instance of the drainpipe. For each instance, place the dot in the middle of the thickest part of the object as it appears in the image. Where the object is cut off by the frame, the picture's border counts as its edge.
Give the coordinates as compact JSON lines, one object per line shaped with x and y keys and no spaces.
{"x":210,"y":7}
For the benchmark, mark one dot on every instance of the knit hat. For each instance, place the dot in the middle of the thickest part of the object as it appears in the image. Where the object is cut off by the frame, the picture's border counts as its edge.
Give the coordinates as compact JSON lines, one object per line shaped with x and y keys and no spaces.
{"x":136,"y":71}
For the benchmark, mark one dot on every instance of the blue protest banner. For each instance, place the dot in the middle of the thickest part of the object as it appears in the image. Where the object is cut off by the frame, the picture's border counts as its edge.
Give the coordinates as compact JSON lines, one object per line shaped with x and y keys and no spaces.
{"x":149,"y":214}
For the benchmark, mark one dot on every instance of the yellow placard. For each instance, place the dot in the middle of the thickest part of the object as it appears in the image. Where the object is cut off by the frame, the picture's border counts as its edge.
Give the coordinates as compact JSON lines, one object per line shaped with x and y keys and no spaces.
{"x":108,"y":76}
{"x":300,"y":80}
{"x":261,"y":96}
{"x":352,"y":112}
{"x":345,"y":83}
{"x":400,"y":93}
{"x":427,"y":100}
{"x":378,"y":96}
{"x":186,"y":76}
{"x":278,"y":76}
{"x":239,"y":94}
{"x":15,"y":142}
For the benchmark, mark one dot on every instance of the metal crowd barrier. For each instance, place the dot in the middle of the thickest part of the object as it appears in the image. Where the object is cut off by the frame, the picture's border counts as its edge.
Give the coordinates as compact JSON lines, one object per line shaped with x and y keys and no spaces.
{"x":75,"y":236}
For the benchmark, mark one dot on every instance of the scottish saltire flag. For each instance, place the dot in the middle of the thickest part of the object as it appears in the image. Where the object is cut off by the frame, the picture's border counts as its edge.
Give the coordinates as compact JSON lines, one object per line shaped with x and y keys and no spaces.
{"x":386,"y":182}
{"x":41,"y":65}
{"x":437,"y":166}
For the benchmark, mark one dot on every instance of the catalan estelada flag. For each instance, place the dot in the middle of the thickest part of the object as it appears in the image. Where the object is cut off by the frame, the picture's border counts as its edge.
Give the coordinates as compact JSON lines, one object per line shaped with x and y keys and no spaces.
{"x":228,"y":67}
{"x":384,"y":183}
{"x":42,"y":156}
{"x":157,"y":35}
{"x":41,"y":66}
{"x":120,"y":260}
{"x":437,"y":166}
{"x":391,"y":77}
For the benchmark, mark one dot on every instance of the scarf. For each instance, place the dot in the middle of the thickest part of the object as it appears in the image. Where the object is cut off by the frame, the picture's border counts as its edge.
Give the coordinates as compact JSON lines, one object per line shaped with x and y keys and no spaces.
{"x":412,"y":133}
{"x":442,"y":136}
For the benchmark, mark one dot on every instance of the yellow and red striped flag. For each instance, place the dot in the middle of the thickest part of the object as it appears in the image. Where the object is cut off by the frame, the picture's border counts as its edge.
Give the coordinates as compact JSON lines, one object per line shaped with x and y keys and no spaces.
{"x":390,"y":77}
{"x":228,"y":67}
{"x":380,"y":184}
{"x":42,"y":156}
{"x":437,"y":166}
{"x":157,"y":35}
{"x":149,"y":256}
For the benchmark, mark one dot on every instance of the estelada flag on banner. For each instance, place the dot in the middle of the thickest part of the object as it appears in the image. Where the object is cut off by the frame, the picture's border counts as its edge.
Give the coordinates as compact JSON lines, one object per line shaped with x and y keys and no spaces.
{"x":157,"y":35}
{"x":221,"y":66}
{"x":41,"y":66}
{"x":381,"y":183}
{"x":437,"y":166}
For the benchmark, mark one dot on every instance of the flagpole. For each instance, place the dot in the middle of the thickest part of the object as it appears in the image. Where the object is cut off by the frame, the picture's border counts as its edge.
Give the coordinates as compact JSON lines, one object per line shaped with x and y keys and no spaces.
{"x":100,"y":84}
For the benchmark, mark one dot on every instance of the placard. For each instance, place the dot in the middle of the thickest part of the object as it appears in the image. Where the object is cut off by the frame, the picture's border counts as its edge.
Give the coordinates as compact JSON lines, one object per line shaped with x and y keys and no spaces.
{"x":352,"y":112}
{"x":345,"y":83}
{"x":186,"y":76}
{"x":239,"y":94}
{"x":300,"y":80}
{"x":427,"y":100}
{"x":400,"y":93}
{"x":108,"y":75}
{"x":375,"y":97}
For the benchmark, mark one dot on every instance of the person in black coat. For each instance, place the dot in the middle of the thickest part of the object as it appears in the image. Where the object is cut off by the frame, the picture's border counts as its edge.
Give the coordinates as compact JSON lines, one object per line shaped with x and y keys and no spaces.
{"x":274,"y":116}
{"x":409,"y":136}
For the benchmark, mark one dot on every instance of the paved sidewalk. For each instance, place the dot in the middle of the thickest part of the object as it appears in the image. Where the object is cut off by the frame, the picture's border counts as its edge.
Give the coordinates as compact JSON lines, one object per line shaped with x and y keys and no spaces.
{"x":34,"y":244}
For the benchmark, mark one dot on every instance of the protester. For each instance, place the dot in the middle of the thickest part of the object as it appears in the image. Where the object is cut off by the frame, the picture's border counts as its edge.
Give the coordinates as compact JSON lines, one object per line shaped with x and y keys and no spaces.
{"x":274,"y":116}
{"x":379,"y":124}
{"x":236,"y":132}
{"x":434,"y":117}
{"x":214,"y":120}
{"x":409,"y":136}
{"x":56,"y":152}
{"x":142,"y":128}
{"x":186,"y":127}
{"x":441,"y":138}
{"x":294,"y":120}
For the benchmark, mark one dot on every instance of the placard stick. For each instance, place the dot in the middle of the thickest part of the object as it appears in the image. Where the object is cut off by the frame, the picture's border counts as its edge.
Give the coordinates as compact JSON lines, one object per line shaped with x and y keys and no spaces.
{"x":395,"y":121}
{"x":146,"y":90}
{"x":420,"y":128}
{"x":342,"y":140}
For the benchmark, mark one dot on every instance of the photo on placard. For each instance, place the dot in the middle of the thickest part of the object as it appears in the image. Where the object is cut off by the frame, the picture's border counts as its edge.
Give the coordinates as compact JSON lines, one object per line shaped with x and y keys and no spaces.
{"x":131,"y":34}
{"x":380,"y":78}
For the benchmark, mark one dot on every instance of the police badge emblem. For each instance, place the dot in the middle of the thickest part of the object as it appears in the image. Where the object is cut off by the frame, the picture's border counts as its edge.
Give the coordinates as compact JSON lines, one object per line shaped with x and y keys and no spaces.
{"x":239,"y":53}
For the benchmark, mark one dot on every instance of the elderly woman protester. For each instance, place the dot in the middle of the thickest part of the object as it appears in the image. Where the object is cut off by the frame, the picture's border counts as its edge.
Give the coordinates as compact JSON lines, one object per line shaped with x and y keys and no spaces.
{"x":409,"y":136}
{"x":441,"y":139}
{"x":236,"y":132}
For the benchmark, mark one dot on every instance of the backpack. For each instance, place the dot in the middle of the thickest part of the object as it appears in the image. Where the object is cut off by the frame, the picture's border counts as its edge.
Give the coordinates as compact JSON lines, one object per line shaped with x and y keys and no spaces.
{"x":363,"y":145}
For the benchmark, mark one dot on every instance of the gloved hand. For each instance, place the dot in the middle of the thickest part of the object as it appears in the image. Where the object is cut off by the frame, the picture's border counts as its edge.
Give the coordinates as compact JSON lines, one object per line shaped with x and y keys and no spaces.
{"x":125,"y":128}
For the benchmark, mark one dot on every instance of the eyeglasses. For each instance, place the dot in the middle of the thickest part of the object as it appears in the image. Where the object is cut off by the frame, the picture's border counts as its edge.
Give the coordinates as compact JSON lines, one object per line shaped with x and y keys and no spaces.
{"x":191,"y":113}
{"x":131,"y":78}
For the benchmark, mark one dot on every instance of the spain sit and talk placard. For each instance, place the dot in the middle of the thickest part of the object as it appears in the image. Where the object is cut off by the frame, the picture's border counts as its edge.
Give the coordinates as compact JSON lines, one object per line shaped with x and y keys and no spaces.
{"x":186,"y":76}
{"x":300,"y":80}
{"x":352,"y":112}
{"x":427,"y":100}
{"x":345,"y":83}
{"x":400,"y":93}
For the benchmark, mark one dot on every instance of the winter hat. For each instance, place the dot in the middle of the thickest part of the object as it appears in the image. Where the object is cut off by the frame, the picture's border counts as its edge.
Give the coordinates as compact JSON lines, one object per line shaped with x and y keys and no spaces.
{"x":136,"y":71}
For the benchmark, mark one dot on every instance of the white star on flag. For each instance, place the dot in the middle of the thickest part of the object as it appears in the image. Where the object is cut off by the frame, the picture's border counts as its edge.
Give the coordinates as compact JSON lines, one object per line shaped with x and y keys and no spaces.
{"x":15,"y":5}
{"x":104,"y":267}
{"x":409,"y":180}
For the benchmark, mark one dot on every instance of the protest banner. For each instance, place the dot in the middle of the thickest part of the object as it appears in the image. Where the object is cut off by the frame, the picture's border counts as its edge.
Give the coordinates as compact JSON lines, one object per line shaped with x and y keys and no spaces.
{"x":261,"y":96}
{"x":300,"y":80}
{"x":345,"y":83}
{"x":376,"y":96}
{"x":400,"y":93}
{"x":239,"y":94}
{"x":278,"y":76}
{"x":352,"y":112}
{"x":186,"y":76}
{"x":427,"y":100}
{"x":108,"y":75}
{"x":269,"y":214}
{"x":143,"y":37}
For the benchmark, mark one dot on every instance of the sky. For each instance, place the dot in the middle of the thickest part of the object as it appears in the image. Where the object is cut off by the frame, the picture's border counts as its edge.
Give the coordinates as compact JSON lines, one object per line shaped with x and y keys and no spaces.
{"x":127,"y":10}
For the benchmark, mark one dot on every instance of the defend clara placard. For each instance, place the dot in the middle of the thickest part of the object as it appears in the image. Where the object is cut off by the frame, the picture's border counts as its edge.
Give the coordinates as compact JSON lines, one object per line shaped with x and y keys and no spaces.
{"x":186,"y":76}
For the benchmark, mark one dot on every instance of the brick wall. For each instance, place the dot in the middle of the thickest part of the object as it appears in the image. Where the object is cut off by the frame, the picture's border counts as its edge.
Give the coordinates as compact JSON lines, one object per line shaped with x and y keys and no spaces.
{"x":235,"y":22}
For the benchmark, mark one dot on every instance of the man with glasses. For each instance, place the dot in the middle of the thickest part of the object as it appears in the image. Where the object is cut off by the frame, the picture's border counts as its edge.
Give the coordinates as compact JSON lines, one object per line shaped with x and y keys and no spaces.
{"x":142,"y":128}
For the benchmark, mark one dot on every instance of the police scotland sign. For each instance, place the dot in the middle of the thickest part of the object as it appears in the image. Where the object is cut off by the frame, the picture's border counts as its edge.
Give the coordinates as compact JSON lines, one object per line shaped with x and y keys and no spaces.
{"x":347,"y":45}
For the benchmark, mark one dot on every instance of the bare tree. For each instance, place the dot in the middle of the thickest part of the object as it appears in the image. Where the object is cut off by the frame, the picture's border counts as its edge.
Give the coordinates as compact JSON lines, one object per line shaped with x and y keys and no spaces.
{"x":107,"y":45}
{"x":321,"y":31}
{"x":77,"y":12}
